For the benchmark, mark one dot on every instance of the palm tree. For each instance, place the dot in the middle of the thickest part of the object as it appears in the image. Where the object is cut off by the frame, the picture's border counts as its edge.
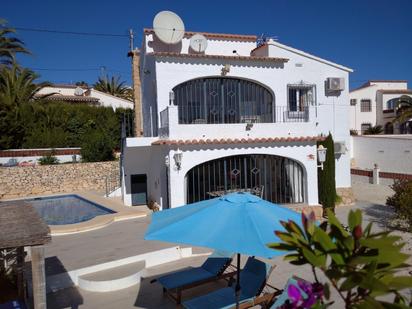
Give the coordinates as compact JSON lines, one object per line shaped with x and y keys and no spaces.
{"x":374,"y":130}
{"x":403,"y":109}
{"x":114,"y":87}
{"x":9,"y":44}
{"x":17,"y":86}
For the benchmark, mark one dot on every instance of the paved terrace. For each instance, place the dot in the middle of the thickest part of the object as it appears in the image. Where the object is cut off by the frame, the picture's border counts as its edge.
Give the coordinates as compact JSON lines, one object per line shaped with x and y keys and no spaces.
{"x":124,"y":239}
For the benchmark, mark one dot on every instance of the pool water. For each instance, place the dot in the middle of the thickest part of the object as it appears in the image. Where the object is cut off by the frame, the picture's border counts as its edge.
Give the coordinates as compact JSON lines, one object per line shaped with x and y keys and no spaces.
{"x":67,"y":209}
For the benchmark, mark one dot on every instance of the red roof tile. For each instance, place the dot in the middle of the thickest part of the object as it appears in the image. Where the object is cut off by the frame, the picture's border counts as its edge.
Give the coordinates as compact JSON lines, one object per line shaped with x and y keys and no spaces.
{"x":238,"y":141}
{"x":240,"y":37}
{"x":243,"y":58}
{"x":395,"y":91}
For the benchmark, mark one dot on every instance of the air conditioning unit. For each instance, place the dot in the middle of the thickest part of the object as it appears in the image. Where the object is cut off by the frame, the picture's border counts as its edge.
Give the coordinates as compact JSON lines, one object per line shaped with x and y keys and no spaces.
{"x":340,"y":148}
{"x":335,"y":84}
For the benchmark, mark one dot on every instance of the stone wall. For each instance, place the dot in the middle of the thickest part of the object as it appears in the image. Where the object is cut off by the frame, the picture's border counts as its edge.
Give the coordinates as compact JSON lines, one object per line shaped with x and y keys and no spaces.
{"x":25,"y":181}
{"x":347,"y":196}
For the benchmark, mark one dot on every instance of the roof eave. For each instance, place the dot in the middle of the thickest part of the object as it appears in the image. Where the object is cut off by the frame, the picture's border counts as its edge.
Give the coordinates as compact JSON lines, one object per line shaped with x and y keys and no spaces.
{"x":305,"y":54}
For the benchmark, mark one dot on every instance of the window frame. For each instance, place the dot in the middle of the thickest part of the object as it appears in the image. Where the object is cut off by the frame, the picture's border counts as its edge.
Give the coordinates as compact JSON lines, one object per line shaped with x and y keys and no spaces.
{"x":365,"y":124}
{"x":362,"y":108}
{"x":303,"y":86}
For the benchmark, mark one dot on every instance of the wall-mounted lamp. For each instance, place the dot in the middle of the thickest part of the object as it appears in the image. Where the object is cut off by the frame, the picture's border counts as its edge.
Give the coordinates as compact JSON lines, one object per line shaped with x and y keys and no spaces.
{"x":171,"y":97}
{"x":249,"y":126}
{"x":321,"y":155}
{"x":167,"y":161}
{"x":225,"y":70}
{"x":178,"y":155}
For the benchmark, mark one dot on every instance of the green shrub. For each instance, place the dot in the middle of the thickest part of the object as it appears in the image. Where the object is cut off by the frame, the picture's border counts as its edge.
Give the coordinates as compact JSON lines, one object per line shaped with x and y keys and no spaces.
{"x":365,"y":268}
{"x":97,"y":147}
{"x":43,"y":124}
{"x":326,"y":177}
{"x":49,"y":159}
{"x":401,"y":201}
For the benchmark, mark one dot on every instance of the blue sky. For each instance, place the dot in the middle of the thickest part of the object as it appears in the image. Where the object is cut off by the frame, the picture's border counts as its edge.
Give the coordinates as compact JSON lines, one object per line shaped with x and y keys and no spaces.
{"x":372,"y":37}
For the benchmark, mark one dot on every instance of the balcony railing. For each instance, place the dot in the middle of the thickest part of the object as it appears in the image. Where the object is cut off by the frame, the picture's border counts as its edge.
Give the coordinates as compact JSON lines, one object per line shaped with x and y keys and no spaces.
{"x":230,"y":116}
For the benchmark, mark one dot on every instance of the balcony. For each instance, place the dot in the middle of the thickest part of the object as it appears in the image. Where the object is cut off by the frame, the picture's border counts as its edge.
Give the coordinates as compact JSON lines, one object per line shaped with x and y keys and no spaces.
{"x":280,"y":122}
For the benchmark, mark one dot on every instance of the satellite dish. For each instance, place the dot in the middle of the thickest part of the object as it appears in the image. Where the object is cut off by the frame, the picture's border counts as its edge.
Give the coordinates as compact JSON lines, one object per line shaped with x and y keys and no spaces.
{"x":78,"y":91}
{"x":198,"y":43}
{"x":168,"y":27}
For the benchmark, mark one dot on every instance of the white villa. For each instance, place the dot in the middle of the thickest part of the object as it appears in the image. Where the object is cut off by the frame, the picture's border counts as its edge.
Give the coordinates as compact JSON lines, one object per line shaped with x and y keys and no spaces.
{"x":373,"y":104}
{"x":237,"y":116}
{"x":82,"y":94}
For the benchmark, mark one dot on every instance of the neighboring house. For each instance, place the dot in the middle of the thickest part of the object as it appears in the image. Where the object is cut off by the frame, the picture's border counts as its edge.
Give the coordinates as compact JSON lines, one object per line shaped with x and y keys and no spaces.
{"x":83,"y":94}
{"x":374,"y":104}
{"x":235,"y":117}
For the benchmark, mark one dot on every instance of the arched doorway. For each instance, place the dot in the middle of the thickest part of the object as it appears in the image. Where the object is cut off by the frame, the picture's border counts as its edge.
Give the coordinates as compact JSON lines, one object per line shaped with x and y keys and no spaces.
{"x":282,"y":180}
{"x":217,"y":100}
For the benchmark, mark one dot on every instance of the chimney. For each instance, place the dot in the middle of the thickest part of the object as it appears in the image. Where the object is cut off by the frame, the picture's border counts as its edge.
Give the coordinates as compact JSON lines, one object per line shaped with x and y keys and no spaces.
{"x":135,"y":54}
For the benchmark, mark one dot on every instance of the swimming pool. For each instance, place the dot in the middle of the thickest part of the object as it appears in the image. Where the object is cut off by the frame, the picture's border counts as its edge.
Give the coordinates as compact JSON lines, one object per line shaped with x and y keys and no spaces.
{"x":67,"y":209}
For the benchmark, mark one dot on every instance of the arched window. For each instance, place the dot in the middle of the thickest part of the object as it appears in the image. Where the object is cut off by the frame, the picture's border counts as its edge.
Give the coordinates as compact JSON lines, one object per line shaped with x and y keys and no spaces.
{"x":223,"y":100}
{"x":274,"y":178}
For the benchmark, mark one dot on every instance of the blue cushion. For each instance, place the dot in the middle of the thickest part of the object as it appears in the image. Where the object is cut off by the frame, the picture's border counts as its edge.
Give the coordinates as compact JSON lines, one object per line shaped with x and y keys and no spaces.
{"x":217,"y":299}
{"x":217,"y":261}
{"x":212,"y":267}
{"x":252,"y":277}
{"x":183,"y":277}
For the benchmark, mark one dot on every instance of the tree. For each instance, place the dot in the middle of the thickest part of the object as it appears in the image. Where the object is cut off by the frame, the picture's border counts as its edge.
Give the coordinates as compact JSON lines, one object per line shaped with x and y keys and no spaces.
{"x":403,"y":109}
{"x":9,"y":44}
{"x":82,"y":83}
{"x":114,"y":87}
{"x":374,"y":130}
{"x":18,"y":86}
{"x":362,"y":265}
{"x":326,"y":177}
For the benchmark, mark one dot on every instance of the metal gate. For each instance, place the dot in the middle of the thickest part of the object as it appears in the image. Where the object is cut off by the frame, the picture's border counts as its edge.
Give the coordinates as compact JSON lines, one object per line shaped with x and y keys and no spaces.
{"x":281,"y":180}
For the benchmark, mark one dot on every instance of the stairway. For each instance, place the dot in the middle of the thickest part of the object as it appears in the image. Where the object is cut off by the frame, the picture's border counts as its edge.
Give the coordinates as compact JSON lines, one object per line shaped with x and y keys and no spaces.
{"x":113,"y":279}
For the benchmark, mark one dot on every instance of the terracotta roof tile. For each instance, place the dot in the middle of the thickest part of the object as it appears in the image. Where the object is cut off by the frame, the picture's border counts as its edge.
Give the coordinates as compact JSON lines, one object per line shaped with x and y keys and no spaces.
{"x":209,"y":35}
{"x":202,"y":56}
{"x":238,"y":141}
{"x":395,"y":91}
{"x":258,"y":47}
{"x":71,"y":98}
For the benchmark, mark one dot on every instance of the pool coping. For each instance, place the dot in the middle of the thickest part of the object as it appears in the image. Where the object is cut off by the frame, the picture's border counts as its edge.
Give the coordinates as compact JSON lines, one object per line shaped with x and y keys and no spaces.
{"x":121,"y":212}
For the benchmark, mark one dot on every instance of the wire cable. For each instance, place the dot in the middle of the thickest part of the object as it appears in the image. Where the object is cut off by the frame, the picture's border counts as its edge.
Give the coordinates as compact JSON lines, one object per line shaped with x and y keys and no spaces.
{"x":72,"y":32}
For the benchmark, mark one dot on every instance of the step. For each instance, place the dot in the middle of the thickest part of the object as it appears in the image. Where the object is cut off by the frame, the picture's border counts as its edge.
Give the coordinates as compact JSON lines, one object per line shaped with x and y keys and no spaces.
{"x":113,"y":279}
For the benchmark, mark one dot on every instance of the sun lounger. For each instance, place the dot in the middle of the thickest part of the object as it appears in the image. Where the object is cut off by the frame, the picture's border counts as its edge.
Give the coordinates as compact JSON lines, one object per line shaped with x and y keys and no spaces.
{"x":212,"y":269}
{"x":272,"y":300}
{"x":252,"y":281}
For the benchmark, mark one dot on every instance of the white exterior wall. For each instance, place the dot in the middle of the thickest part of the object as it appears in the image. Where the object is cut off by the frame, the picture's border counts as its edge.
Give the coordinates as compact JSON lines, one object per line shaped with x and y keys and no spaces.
{"x":193,"y":156}
{"x":378,"y":101}
{"x":110,"y":101}
{"x":105,"y":99}
{"x":357,"y":118}
{"x":392,"y":153}
{"x":161,"y":75}
{"x":214,"y":46}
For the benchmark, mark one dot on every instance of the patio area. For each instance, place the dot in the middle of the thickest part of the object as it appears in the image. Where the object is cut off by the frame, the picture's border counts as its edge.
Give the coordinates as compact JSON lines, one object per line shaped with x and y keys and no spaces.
{"x":123,"y":239}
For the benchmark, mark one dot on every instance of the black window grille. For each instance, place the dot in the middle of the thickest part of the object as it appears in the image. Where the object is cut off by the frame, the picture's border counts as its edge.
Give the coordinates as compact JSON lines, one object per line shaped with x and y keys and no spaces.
{"x":279,"y":179}
{"x":366,"y":106}
{"x":223,"y":100}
